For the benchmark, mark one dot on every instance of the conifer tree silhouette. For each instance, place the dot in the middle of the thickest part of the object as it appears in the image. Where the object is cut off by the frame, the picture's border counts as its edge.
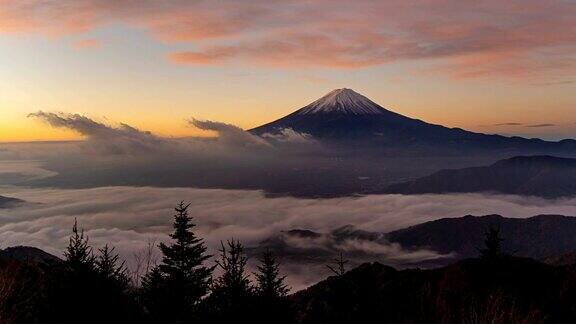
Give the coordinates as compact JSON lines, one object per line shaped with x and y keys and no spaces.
{"x":234,"y":280}
{"x":270,"y":282}
{"x":173,"y":290}
{"x":231,"y":299}
{"x":78,"y":255}
{"x":82,"y":285}
{"x":271,"y":292}
{"x":108,"y":266}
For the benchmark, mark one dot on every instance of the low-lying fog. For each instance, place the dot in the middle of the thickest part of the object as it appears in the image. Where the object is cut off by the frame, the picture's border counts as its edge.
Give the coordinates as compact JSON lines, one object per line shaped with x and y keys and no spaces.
{"x":122,"y":183}
{"x":129,"y":217}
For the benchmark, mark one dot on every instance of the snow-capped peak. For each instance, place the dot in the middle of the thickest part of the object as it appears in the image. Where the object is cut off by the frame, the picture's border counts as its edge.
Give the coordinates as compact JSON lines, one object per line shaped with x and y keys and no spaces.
{"x":344,"y":101}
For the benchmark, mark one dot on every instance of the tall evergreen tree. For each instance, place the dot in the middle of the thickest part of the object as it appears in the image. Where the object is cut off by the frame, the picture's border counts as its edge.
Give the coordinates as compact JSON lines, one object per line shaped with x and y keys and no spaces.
{"x":174,"y":289}
{"x":232,"y":295}
{"x":270,"y":282}
{"x":271,"y":292}
{"x":78,"y":255}
{"x":81,"y":287}
{"x":108,"y":266}
{"x":234,"y":280}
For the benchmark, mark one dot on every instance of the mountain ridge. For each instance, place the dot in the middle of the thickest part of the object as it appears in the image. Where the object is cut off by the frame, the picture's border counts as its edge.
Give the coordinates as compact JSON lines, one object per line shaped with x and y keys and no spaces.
{"x":345,"y":117}
{"x":540,"y":175}
{"x":429,"y":244}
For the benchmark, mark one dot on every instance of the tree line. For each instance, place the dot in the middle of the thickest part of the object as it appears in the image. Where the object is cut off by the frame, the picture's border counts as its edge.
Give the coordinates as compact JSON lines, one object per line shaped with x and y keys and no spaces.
{"x":91,"y":286}
{"x":95,"y":286}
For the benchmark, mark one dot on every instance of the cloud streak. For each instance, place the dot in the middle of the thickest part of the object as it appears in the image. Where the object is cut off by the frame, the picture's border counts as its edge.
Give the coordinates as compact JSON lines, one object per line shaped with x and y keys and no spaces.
{"x":540,"y":125}
{"x":509,"y":124}
{"x":521,"y":39}
{"x":116,"y":140}
{"x":229,"y":134}
{"x":119,"y":154}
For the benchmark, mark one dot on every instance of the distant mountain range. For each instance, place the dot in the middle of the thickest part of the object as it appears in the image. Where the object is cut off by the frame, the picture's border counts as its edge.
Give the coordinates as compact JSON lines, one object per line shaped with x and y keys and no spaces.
{"x":544,"y":176}
{"x":430,"y":244}
{"x":344,"y":116}
{"x":359,"y":148}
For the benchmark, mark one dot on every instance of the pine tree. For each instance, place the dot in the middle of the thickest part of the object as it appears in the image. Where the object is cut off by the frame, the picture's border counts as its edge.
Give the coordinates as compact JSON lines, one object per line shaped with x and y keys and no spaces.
{"x":79,"y":256}
{"x":493,"y":244}
{"x":82,"y":286}
{"x":173,"y":290}
{"x":271,"y":292}
{"x":234,"y":280}
{"x":270,"y":282}
{"x":109,"y":269}
{"x":232,"y":295}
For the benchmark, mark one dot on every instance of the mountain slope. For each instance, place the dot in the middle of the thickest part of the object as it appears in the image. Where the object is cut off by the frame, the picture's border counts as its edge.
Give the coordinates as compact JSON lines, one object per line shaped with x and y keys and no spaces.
{"x":536,"y":237}
{"x":544,"y":176}
{"x":511,"y":290}
{"x":28,"y":254}
{"x":6,"y":202}
{"x":428,"y":245}
{"x":345,"y":116}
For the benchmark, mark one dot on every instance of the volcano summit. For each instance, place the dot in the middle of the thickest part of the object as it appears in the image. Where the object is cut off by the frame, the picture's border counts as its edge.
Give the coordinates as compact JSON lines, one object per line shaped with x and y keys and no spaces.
{"x":345,"y":117}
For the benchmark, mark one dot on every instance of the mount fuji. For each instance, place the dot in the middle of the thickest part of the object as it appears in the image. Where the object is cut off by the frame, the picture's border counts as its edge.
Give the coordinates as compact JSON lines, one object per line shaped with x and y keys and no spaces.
{"x":344,"y":116}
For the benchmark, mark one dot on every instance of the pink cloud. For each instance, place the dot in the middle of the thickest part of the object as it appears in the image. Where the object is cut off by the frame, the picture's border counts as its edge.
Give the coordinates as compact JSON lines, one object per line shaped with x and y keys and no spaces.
{"x":516,"y":38}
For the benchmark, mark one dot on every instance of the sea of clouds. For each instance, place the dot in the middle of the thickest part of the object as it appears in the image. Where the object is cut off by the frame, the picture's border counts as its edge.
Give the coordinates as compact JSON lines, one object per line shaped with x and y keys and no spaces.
{"x":131,"y":215}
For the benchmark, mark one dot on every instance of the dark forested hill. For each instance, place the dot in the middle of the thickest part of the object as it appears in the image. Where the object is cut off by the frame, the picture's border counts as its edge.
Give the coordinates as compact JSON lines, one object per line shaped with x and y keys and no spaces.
{"x":430,"y":244}
{"x":511,"y":290}
{"x":536,"y":237}
{"x":28,"y":254}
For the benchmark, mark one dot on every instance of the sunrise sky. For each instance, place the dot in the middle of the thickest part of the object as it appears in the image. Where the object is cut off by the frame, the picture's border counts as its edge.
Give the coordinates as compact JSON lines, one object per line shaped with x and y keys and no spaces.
{"x":492,"y":66}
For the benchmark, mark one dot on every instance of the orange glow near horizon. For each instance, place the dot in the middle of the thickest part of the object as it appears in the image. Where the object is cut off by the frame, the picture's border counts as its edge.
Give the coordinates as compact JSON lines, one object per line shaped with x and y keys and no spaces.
{"x":490,"y":67}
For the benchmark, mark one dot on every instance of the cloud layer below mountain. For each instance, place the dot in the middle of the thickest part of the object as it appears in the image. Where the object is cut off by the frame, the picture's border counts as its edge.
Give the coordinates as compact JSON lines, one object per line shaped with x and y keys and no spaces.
{"x":119,"y":154}
{"x":129,"y":217}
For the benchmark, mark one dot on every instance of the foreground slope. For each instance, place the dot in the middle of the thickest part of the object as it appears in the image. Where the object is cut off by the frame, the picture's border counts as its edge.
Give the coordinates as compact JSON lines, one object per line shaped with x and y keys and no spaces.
{"x":508,"y":290}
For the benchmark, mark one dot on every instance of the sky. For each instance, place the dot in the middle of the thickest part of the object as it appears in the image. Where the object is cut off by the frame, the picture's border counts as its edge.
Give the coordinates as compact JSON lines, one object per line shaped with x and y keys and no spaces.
{"x":490,"y":66}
